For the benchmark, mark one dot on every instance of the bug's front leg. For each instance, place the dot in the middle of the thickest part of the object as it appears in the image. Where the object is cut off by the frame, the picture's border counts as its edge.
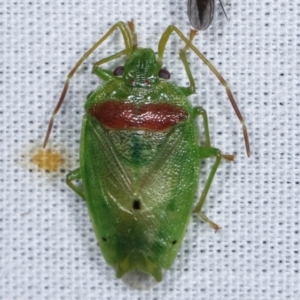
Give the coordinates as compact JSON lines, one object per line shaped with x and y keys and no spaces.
{"x":75,"y":175}
{"x":191,"y":89}
{"x":102,"y":73}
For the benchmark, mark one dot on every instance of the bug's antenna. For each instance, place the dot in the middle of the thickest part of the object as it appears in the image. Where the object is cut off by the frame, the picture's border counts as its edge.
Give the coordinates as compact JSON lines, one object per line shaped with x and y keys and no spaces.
{"x":128,"y":49}
{"x":223,"y":9}
{"x":161,"y":48}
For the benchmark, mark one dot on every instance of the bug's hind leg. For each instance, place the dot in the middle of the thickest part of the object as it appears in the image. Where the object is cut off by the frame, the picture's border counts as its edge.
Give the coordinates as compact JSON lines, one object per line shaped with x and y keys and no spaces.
{"x":75,"y":175}
{"x":207,"y":152}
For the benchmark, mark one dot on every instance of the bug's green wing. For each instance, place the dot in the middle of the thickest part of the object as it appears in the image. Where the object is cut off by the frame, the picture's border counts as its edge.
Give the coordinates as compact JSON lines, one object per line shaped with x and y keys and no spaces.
{"x":139,"y":187}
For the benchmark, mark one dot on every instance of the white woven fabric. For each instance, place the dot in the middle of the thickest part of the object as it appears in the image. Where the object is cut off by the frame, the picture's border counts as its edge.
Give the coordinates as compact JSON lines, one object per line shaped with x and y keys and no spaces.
{"x":48,"y":249}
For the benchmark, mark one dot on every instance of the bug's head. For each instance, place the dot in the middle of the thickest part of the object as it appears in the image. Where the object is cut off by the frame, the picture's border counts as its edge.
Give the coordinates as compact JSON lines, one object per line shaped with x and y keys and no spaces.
{"x":142,"y":69}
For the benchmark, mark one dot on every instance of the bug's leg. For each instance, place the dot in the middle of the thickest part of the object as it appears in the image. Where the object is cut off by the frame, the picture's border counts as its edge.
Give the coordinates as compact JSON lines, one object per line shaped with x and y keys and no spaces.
{"x":200,"y":111}
{"x":75,"y":175}
{"x":191,"y":89}
{"x":106,"y":74}
{"x":205,"y":219}
{"x":161,"y":48}
{"x":102,"y":73}
{"x":128,"y":48}
{"x":207,"y":152}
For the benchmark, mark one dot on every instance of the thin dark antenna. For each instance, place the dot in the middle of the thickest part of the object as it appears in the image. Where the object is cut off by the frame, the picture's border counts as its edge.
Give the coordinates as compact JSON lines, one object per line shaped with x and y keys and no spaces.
{"x":223,"y":9}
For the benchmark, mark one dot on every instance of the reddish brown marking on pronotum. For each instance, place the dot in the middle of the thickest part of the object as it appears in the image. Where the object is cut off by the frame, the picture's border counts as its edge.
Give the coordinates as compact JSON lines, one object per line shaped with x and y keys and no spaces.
{"x":151,"y":116}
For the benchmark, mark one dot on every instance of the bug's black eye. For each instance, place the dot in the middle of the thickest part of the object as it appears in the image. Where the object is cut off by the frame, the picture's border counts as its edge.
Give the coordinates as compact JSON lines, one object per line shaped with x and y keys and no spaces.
{"x":119,"y":71}
{"x":164,"y":74}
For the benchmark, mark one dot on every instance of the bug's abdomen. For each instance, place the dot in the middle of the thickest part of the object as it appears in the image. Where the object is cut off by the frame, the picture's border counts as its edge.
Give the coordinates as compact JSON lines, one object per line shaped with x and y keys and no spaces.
{"x":139,"y":181}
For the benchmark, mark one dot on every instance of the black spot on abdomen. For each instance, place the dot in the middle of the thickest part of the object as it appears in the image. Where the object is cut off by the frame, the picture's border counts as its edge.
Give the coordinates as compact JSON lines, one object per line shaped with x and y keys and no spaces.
{"x":136,"y":204}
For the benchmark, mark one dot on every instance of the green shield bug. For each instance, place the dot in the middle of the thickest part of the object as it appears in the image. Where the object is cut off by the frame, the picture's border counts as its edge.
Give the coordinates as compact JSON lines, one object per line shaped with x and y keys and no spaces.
{"x":140,"y":154}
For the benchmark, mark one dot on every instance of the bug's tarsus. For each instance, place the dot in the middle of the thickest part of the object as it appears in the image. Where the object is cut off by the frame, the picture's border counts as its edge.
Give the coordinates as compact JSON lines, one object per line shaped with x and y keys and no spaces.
{"x":193,"y":33}
{"x":229,"y":157}
{"x":133,"y":34}
{"x":212,"y":224}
